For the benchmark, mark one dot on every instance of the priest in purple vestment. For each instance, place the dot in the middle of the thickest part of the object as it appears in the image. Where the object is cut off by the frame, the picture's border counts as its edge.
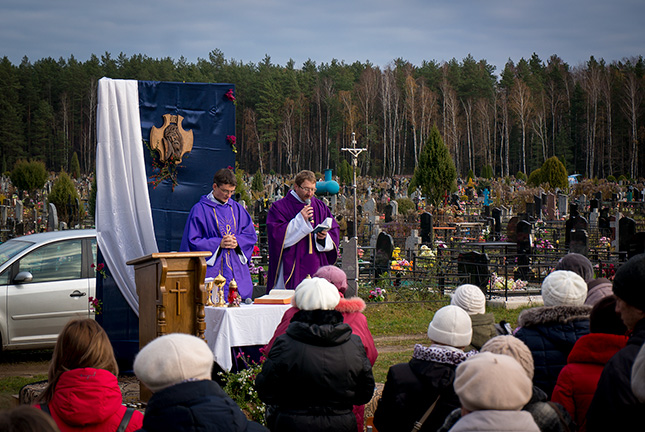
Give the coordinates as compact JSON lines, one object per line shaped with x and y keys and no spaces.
{"x":294,"y":251}
{"x":222,"y":226}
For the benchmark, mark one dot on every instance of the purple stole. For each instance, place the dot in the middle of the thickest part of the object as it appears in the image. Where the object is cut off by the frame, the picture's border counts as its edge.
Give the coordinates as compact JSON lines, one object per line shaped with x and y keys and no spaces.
{"x":299,"y":260}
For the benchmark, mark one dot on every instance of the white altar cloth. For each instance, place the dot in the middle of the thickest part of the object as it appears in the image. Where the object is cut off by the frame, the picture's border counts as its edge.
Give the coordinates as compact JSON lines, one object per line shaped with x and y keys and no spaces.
{"x":241,"y":326}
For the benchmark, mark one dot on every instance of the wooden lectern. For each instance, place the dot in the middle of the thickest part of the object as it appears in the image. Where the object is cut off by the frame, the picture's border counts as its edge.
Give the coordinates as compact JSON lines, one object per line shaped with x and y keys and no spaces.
{"x":172,"y":296}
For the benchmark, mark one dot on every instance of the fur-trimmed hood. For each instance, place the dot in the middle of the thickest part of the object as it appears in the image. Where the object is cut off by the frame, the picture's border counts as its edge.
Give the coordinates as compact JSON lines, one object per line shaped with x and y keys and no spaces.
{"x":350,"y":305}
{"x":553,"y":315}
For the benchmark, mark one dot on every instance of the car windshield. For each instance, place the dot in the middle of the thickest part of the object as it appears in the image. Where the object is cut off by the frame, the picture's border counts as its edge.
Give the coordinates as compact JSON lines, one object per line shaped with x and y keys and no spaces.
{"x":11,"y":248}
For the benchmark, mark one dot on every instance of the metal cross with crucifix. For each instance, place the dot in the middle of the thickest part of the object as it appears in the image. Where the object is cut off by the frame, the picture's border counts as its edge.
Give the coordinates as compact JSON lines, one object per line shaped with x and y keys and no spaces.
{"x":354,"y":152}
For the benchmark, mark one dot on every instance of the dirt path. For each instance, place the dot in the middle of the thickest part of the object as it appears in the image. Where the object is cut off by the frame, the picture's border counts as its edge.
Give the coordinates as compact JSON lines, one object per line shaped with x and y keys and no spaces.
{"x":24,"y":363}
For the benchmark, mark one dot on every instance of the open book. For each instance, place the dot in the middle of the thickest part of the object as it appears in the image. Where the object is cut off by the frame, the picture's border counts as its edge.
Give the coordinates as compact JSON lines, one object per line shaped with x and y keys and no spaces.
{"x":276,"y":296}
{"x":323,"y":226}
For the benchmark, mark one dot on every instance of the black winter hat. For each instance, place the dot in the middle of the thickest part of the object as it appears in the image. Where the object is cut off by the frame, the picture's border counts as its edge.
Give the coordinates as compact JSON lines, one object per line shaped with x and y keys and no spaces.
{"x":629,"y":282}
{"x":576,"y":263}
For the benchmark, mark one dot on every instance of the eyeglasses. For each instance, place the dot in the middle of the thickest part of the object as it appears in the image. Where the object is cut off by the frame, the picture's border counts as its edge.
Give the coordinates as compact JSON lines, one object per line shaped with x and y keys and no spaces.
{"x":306,"y":189}
{"x":227,"y":191}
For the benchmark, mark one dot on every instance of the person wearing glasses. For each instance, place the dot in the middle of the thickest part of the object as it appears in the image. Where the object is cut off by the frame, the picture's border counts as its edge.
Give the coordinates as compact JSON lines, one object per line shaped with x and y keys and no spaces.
{"x":296,"y":249}
{"x":222,"y":226}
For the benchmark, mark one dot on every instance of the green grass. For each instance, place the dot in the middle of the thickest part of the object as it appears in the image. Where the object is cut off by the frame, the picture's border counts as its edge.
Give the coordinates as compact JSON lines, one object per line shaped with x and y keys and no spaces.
{"x":10,"y":386}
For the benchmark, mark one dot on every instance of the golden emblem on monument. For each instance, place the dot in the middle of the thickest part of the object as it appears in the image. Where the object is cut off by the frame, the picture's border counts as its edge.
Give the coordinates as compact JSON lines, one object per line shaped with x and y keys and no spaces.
{"x":171,"y":140}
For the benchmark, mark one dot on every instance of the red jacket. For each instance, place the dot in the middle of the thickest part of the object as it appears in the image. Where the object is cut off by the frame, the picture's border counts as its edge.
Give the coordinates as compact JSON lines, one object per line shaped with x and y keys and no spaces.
{"x":89,"y":400}
{"x":578,"y":380}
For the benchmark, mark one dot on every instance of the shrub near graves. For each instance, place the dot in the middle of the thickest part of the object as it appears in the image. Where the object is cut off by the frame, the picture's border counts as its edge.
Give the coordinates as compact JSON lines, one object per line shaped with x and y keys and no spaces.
{"x":64,"y":197}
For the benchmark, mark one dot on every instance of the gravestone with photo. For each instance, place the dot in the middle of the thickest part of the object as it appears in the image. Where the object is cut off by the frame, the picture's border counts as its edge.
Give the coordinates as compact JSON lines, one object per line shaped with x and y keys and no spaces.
{"x":511,"y":229}
{"x":389,"y":210}
{"x":497,"y":223}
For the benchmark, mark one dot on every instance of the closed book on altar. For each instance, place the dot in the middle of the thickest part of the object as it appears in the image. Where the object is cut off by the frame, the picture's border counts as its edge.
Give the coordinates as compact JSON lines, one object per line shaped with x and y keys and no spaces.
{"x":276,"y":296}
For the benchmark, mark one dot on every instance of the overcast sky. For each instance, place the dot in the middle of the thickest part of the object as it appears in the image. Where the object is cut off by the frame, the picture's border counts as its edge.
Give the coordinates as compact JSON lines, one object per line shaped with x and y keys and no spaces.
{"x":321,"y":30}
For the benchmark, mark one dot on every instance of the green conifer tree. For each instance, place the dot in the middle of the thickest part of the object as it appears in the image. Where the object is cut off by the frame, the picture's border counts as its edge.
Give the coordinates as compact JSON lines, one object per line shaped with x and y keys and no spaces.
{"x":436,"y":171}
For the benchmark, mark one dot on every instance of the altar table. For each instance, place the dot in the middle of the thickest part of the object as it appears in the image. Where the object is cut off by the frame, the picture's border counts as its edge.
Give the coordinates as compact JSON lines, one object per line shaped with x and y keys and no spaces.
{"x":240,"y":326}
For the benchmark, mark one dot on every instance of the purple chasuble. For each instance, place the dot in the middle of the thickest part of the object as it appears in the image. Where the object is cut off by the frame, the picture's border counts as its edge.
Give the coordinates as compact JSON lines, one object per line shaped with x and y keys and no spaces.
{"x":207,"y":223}
{"x":297,"y":261}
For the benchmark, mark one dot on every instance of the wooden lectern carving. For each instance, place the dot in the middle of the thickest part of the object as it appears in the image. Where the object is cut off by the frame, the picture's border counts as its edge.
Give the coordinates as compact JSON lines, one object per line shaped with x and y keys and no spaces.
{"x":172,"y":296}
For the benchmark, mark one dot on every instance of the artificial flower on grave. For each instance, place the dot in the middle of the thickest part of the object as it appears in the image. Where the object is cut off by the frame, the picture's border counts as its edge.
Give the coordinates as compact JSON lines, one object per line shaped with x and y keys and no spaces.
{"x":231,"y":140}
{"x":396,"y":253}
{"x":427,"y":257}
{"x":604,"y":242}
{"x":500,"y":283}
{"x":377,"y":295}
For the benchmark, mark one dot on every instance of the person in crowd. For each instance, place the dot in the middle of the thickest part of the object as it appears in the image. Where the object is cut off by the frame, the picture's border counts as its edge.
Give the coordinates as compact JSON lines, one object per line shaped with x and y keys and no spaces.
{"x":550,"y":331}
{"x":577,"y":381}
{"x":412,"y":388}
{"x":25,"y":418}
{"x":318,"y":369}
{"x":638,"y":375}
{"x":550,"y":417}
{"x":577,"y":263}
{"x":580,"y":264}
{"x":295,"y":252}
{"x":82,"y":391}
{"x":177,"y":369}
{"x":220,"y":225}
{"x":352,"y":311}
{"x":614,"y":405}
{"x":492,"y":390}
{"x":471,"y":299}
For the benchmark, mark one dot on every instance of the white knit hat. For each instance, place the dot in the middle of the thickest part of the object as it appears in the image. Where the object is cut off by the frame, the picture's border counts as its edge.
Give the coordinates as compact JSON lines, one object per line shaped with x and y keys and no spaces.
{"x":451,"y":325}
{"x":488,"y":381}
{"x":564,"y":288}
{"x":316,"y":293}
{"x":171,"y":359}
{"x":470,"y":298}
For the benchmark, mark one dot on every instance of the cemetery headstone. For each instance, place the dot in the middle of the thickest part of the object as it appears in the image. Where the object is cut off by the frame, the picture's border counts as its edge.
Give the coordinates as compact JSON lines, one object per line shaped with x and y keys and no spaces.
{"x":531,"y":209}
{"x":574,"y":223}
{"x":524,"y":249}
{"x":412,"y":243}
{"x":636,"y":245}
{"x":427,"y":229}
{"x":578,"y":243}
{"x":370,"y":206}
{"x":497,"y":227}
{"x":383,"y":254}
{"x":550,"y":206}
{"x":627,"y":229}
{"x":537,"y":211}
{"x":473,"y":269}
{"x":486,"y":211}
{"x":395,"y":208}
{"x":511,"y":229}
{"x":594,"y":204}
{"x":19,"y":208}
{"x":349,"y":264}
{"x":563,"y":204}
{"x":593,"y":218}
{"x":389,"y":209}
{"x":52,"y":220}
{"x":3,"y":215}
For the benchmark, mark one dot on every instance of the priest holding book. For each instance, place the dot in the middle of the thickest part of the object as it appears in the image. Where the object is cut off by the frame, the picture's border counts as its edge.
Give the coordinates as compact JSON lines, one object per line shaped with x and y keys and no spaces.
{"x":303,"y":235}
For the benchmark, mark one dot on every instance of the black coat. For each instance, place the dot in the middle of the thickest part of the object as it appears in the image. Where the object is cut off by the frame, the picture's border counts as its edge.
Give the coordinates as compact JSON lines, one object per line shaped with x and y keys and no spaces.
{"x":411,"y":388}
{"x":550,"y":333}
{"x":314,"y":374}
{"x":195,"y":406}
{"x":614,"y":406}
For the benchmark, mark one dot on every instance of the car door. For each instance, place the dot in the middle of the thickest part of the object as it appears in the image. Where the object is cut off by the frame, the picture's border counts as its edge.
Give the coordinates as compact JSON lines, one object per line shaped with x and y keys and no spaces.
{"x":59,"y":289}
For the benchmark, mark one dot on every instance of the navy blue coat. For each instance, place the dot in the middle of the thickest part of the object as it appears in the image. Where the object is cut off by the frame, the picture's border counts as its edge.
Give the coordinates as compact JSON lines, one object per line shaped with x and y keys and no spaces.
{"x":195,"y":406}
{"x":550,"y":333}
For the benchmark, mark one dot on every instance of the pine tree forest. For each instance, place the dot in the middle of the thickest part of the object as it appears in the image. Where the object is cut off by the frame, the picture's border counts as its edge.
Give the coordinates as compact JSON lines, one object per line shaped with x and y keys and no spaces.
{"x":590,"y":116}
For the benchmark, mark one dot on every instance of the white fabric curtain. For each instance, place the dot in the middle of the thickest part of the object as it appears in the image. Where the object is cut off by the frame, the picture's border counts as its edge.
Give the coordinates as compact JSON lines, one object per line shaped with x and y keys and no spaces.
{"x":123,"y":216}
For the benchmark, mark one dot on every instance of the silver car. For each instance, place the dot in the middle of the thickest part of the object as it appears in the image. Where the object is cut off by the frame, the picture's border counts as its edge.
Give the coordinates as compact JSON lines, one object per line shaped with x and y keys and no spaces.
{"x":45,"y":280}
